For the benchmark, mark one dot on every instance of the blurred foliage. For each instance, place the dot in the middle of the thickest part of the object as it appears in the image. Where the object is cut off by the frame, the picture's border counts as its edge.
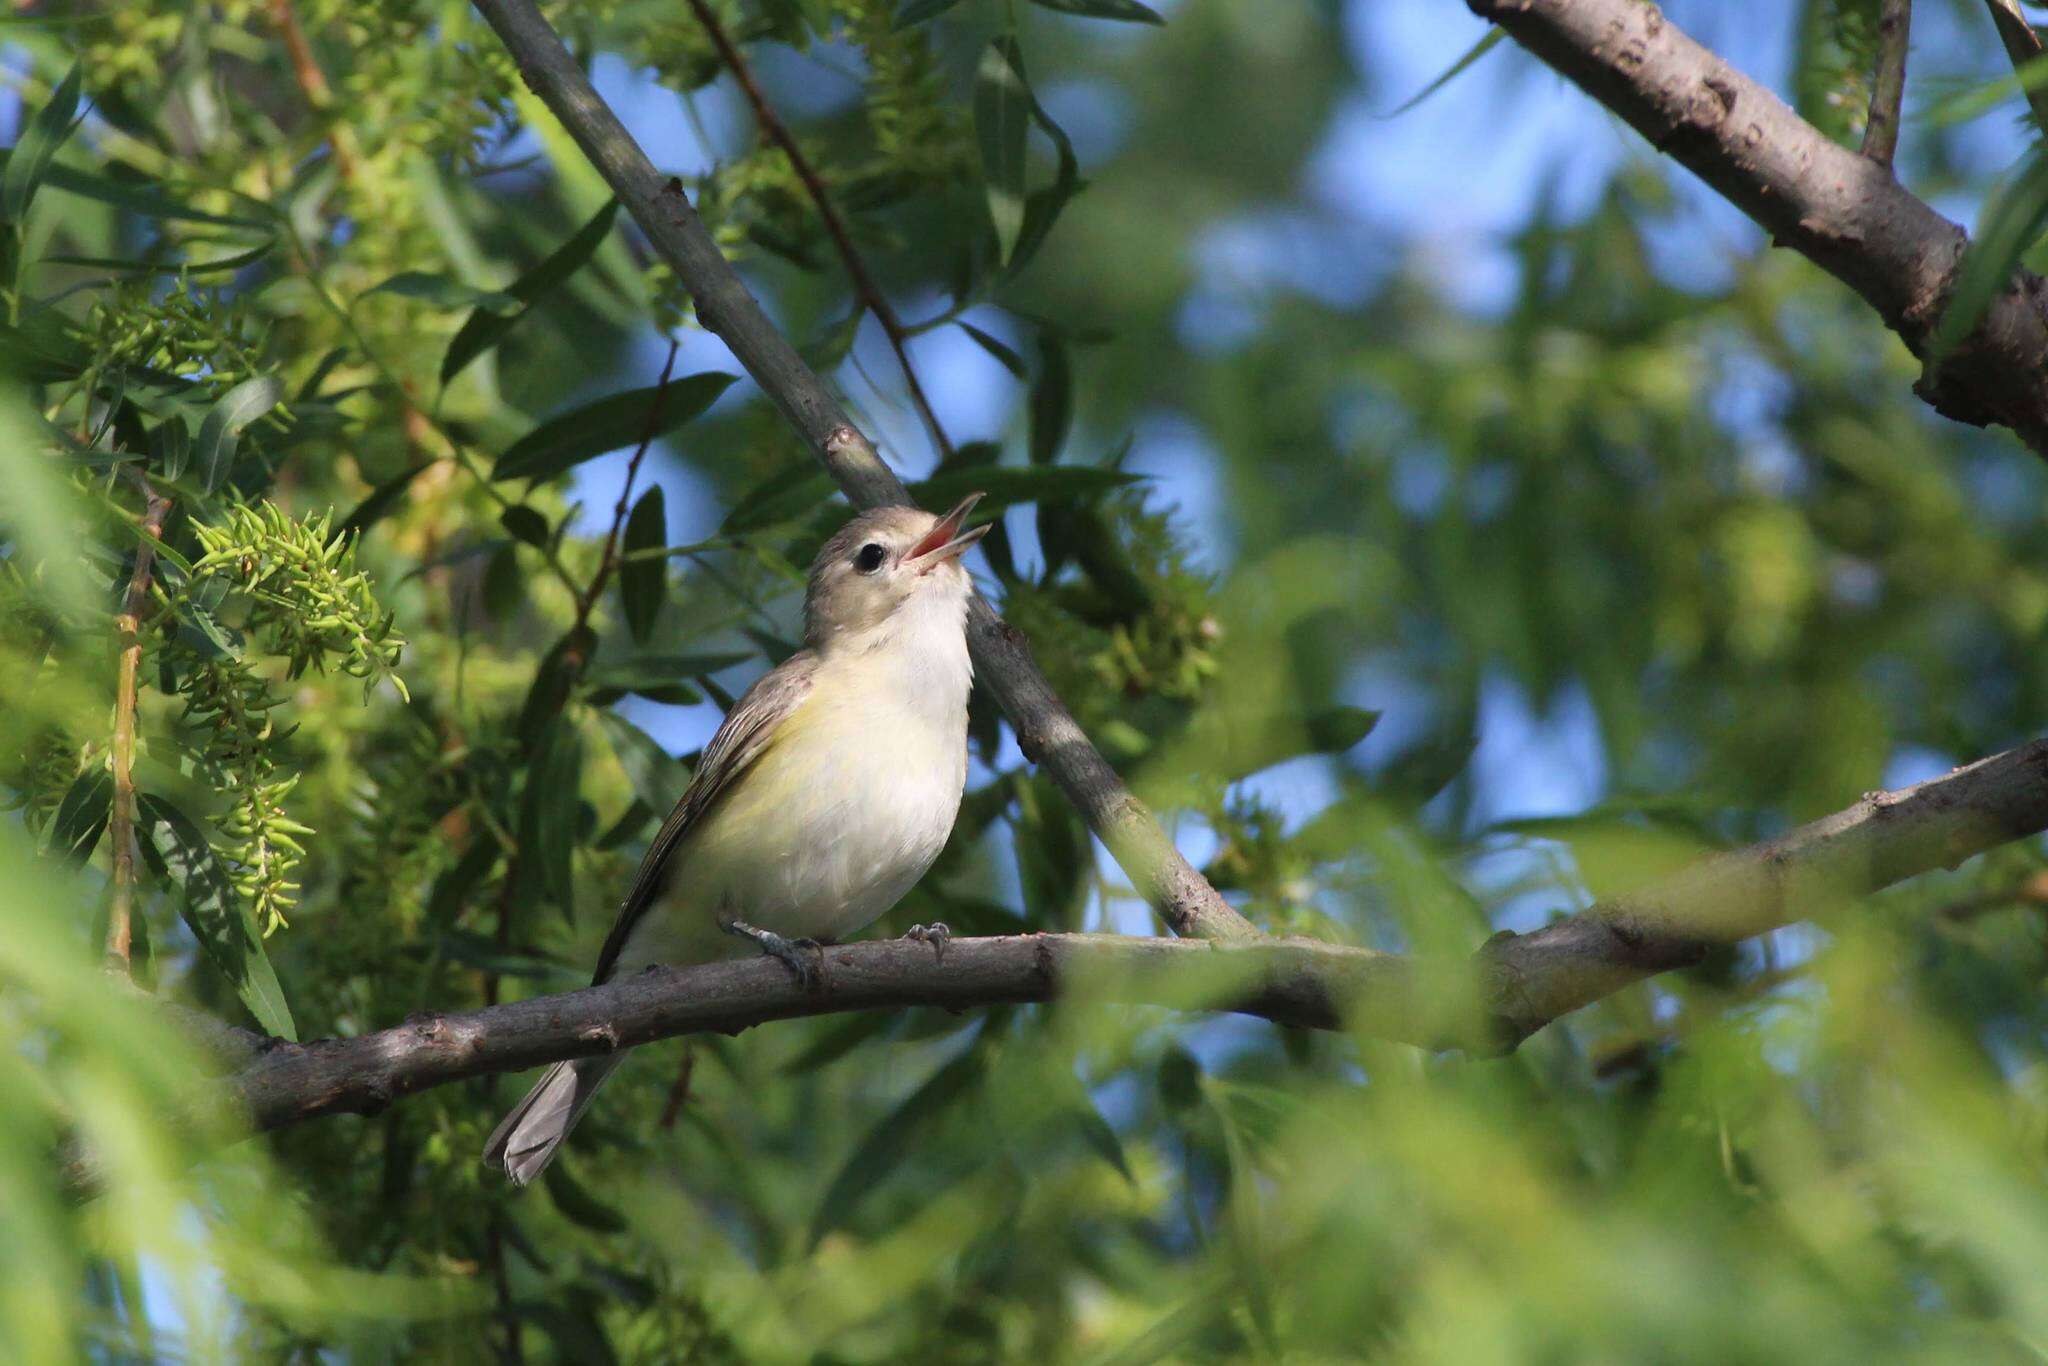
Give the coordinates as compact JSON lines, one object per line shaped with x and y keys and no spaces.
{"x":362,"y":314}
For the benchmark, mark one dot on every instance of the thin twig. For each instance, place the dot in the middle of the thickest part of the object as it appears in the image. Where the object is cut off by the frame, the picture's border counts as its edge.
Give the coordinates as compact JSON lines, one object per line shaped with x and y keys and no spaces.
{"x":121,"y":812}
{"x":1046,"y":730}
{"x":2022,"y":46}
{"x":1888,"y":83}
{"x":865,"y":290}
{"x":313,"y":85}
{"x":679,"y":1093}
{"x":610,"y":559}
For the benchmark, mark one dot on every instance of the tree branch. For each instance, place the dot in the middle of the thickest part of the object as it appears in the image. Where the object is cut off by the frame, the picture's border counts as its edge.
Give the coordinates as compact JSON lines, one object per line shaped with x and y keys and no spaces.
{"x":865,"y":290}
{"x":1841,"y":211}
{"x":121,"y":809}
{"x":1046,"y":731}
{"x":1512,"y":987}
{"x":2022,"y":45}
{"x":1888,"y":82}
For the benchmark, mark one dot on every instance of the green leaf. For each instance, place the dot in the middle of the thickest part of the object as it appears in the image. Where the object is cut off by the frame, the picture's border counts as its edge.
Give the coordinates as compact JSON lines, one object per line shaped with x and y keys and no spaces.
{"x":894,"y":1138}
{"x":183,"y":861}
{"x":377,"y":505}
{"x":1487,"y":43}
{"x":131,"y":267}
{"x":221,"y":432}
{"x":576,"y":1202}
{"x":1052,"y":400}
{"x":550,"y":811}
{"x":1007,"y":485}
{"x":41,"y":136}
{"x":486,"y":329}
{"x":523,"y":523}
{"x":81,"y":816}
{"x":1042,"y":207}
{"x":617,"y":420}
{"x":657,"y":677}
{"x":1336,"y":729}
{"x":2012,"y":221}
{"x":657,"y":778}
{"x":1001,"y":350}
{"x":1129,"y":11}
{"x":1002,"y":113}
{"x":443,"y":291}
{"x":916,"y":12}
{"x":140,"y":197}
{"x":643,"y":583}
{"x":557,"y":673}
{"x":784,"y":496}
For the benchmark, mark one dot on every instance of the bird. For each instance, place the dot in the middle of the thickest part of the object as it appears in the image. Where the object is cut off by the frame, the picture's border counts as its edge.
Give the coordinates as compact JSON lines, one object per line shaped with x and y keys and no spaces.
{"x":825,"y":794}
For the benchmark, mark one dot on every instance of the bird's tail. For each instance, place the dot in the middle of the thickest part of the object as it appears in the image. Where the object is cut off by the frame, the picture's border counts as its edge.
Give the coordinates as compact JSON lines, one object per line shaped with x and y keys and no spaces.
{"x":525,"y":1140}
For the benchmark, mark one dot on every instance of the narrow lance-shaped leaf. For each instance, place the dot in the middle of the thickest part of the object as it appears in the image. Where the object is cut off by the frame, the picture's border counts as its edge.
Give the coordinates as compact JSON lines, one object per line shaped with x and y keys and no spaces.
{"x":221,"y":432}
{"x":549,"y":812}
{"x":181,"y":858}
{"x":608,"y":424}
{"x":2013,"y":220}
{"x":444,"y":291}
{"x":916,"y":12}
{"x":82,"y":816}
{"x":486,"y":328}
{"x":1002,"y":112}
{"x":1052,"y":400}
{"x":643,"y":582}
{"x":1128,"y":11}
{"x":657,"y":777}
{"x":892,"y":1140}
{"x":1487,"y":43}
{"x":40,"y":138}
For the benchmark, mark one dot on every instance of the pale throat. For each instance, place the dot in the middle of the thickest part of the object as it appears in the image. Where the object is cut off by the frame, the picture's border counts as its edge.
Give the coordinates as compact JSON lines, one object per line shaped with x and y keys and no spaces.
{"x":920,"y":649}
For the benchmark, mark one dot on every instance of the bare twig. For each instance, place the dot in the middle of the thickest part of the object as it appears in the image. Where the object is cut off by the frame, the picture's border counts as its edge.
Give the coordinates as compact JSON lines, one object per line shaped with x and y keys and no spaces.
{"x":865,"y":290}
{"x":1841,"y":211}
{"x":313,"y":85}
{"x":2022,"y":46}
{"x":121,"y":812}
{"x":610,"y":559}
{"x":1046,"y":731}
{"x":1512,"y":987}
{"x":1888,"y":82}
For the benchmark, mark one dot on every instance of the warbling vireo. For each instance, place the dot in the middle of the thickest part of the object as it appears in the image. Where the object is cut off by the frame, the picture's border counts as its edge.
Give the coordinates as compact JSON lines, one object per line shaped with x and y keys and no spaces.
{"x":826,"y":793}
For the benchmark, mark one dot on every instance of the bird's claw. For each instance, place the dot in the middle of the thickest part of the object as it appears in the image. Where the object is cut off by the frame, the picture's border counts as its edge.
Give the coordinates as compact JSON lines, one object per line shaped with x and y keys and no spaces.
{"x":935,"y":934}
{"x":804,"y":957}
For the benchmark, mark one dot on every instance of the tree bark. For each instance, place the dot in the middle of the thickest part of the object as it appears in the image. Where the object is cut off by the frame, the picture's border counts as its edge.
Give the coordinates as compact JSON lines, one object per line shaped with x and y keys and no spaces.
{"x":1512,"y":987}
{"x":1842,"y":211}
{"x":1046,"y":731}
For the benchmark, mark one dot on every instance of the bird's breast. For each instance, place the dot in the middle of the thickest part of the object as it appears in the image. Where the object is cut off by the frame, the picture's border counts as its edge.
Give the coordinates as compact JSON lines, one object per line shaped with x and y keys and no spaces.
{"x":830,"y":826}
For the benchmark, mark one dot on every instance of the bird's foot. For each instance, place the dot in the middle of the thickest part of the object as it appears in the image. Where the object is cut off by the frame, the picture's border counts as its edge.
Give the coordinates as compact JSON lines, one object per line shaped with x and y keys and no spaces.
{"x":935,"y":934}
{"x":804,"y":957}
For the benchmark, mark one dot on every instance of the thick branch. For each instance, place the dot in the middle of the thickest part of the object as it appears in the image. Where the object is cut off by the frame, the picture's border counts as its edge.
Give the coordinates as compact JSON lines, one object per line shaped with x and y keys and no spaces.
{"x":1842,"y":211}
{"x":1514,"y":985}
{"x":1045,"y":729}
{"x":2022,"y":46}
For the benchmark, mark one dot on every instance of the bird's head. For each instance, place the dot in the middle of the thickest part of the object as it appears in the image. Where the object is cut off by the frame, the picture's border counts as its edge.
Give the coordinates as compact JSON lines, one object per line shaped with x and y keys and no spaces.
{"x":883,"y":562}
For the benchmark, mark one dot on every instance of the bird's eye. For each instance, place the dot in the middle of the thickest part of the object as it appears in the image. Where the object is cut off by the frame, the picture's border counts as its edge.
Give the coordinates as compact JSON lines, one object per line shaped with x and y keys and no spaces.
{"x":870,"y":557}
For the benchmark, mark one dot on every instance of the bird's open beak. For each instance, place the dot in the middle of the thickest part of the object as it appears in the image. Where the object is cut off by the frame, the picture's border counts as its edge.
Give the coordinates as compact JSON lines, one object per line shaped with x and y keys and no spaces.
{"x":946,"y":541}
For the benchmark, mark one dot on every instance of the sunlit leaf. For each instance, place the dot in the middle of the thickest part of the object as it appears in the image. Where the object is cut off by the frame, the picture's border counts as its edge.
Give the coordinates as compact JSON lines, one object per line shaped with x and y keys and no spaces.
{"x":187,"y":865}
{"x":1002,"y":114}
{"x":41,"y":135}
{"x":213,"y":453}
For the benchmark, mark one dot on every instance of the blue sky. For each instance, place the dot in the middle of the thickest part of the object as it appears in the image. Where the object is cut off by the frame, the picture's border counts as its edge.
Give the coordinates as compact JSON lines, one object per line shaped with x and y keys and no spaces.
{"x":1445,"y":182}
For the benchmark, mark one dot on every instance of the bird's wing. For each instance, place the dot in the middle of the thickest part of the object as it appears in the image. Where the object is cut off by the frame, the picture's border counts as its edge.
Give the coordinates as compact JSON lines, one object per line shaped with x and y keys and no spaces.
{"x":741,"y":739}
